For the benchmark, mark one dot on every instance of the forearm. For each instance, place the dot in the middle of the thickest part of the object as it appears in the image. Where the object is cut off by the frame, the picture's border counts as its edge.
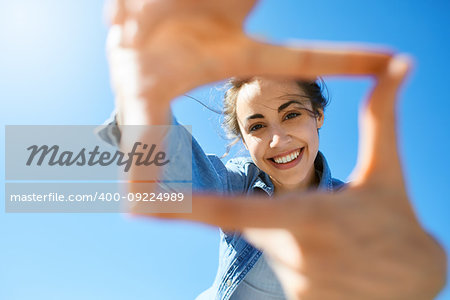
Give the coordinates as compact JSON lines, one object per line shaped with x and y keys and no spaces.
{"x":139,"y":120}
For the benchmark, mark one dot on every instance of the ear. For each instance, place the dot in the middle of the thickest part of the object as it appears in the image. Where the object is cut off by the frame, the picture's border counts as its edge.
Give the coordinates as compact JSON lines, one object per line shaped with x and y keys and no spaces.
{"x":319,"y":118}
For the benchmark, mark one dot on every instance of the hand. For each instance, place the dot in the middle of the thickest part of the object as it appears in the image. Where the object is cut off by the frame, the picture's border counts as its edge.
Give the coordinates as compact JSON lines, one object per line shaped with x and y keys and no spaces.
{"x":363,"y":242}
{"x":160,"y":49}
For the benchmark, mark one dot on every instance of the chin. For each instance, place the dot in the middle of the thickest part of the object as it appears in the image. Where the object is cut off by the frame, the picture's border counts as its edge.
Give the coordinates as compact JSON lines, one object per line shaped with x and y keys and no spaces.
{"x":291,"y":181}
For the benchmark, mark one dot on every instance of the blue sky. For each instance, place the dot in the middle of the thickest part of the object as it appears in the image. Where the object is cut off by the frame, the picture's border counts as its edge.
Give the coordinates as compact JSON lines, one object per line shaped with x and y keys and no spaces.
{"x":53,"y":71}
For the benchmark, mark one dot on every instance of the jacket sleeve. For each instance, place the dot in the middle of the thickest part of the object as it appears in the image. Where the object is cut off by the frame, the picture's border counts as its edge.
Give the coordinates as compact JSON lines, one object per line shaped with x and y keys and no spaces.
{"x":209,"y":174}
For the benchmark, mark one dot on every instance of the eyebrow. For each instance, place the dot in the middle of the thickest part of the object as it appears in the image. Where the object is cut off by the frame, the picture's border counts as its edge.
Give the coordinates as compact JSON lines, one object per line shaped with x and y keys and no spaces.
{"x":285,"y":105}
{"x":255,"y":116}
{"x":281,"y":108}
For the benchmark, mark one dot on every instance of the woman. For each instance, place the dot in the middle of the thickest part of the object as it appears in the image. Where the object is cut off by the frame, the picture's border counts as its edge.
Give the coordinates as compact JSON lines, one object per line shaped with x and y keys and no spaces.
{"x":278,"y":122}
{"x":154,"y":58}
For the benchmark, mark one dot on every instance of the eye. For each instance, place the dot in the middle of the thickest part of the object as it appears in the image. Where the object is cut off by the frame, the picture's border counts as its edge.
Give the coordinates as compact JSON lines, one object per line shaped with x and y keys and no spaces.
{"x":292,"y":115}
{"x":255,"y":127}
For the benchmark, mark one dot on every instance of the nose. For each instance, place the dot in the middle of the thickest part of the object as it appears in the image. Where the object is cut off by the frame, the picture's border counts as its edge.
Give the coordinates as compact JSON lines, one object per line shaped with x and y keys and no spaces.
{"x":280,"y":138}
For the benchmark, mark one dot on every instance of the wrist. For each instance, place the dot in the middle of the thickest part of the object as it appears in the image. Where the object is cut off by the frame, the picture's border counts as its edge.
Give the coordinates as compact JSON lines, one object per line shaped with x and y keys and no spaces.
{"x":138,"y":110}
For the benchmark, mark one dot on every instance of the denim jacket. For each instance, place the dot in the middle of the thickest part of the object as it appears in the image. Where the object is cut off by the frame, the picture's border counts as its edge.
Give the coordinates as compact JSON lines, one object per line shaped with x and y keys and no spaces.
{"x":237,"y":256}
{"x":239,"y":175}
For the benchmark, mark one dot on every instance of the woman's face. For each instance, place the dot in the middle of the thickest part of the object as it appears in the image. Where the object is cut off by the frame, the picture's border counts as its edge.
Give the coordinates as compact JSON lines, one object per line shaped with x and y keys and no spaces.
{"x":280,"y":131}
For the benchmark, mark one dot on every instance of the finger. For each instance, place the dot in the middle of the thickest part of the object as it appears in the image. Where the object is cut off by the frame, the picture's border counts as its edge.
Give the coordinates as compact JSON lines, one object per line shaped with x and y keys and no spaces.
{"x":115,"y":12}
{"x":130,"y":32}
{"x":149,"y":14}
{"x":236,"y":213}
{"x":378,"y":158}
{"x":122,"y":30}
{"x":310,"y":61}
{"x":113,"y":39}
{"x":230,"y":213}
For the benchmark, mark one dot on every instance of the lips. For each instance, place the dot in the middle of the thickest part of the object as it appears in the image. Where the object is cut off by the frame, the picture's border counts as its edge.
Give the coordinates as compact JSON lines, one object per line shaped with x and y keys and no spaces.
{"x":287,"y":160}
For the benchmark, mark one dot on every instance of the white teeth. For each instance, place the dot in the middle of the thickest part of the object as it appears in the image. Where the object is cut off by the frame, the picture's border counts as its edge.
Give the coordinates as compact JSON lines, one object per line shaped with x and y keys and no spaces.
{"x":287,"y":158}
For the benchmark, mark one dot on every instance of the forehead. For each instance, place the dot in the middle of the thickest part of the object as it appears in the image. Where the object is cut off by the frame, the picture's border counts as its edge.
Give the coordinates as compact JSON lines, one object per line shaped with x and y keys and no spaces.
{"x":267,"y":94}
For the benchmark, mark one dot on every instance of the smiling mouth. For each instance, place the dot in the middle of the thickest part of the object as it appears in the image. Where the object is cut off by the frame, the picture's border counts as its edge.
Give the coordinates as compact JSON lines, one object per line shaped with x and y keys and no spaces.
{"x":287,"y":158}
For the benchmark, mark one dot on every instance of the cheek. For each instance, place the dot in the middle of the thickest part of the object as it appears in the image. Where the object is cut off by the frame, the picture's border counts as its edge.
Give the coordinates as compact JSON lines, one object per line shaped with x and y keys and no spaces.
{"x":255,"y":147}
{"x":307,"y":133}
{"x":313,"y":139}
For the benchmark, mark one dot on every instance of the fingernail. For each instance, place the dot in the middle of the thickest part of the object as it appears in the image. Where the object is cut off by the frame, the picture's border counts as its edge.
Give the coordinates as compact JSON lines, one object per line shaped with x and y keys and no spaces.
{"x":402,"y":64}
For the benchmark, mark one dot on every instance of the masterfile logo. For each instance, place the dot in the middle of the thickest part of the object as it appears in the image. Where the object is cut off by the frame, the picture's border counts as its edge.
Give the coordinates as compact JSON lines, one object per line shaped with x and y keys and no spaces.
{"x":70,"y":169}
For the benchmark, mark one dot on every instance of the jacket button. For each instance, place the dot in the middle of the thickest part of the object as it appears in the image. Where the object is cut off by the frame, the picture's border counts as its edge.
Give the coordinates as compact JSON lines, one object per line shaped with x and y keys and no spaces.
{"x":229,"y":282}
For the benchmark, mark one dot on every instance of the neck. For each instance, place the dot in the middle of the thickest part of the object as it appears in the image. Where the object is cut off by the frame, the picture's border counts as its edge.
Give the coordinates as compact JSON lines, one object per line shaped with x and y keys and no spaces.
{"x":310,"y":181}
